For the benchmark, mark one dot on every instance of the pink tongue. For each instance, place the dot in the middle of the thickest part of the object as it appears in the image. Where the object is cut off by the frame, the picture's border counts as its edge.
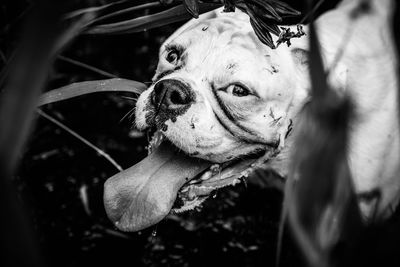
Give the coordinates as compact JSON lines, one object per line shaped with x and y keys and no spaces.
{"x":143,"y":194}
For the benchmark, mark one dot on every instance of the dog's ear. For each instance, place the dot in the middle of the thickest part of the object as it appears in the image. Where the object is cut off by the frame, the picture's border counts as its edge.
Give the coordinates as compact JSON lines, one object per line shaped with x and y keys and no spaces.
{"x":337,"y":75}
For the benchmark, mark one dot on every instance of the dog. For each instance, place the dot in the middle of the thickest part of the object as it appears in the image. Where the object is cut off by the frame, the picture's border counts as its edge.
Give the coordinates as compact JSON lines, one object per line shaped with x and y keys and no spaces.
{"x":223,"y":104}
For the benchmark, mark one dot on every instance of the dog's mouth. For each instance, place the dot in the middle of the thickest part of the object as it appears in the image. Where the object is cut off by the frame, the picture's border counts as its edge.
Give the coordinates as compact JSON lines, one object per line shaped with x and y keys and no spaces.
{"x":168,"y":181}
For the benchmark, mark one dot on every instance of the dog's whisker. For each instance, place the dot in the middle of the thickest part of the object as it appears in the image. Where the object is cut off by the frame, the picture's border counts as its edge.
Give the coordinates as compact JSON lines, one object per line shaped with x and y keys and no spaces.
{"x":130,"y":98}
{"x":128,"y":114}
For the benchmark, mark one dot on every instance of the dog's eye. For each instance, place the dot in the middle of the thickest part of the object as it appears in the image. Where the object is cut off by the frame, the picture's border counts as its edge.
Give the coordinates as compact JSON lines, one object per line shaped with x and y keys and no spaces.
{"x":172,"y":56}
{"x":238,"y":90}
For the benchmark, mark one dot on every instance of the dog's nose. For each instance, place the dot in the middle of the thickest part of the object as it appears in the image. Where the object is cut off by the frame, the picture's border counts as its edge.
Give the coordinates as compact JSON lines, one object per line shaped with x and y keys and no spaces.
{"x":172,"y":94}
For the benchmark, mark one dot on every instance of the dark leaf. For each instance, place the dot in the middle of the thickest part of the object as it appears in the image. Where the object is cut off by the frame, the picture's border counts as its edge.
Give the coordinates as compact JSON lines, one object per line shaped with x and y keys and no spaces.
{"x":265,"y":25}
{"x":273,"y":28}
{"x":171,"y":15}
{"x":260,"y":12}
{"x":166,"y":2}
{"x":99,"y":10}
{"x":267,"y":7}
{"x":285,"y":10}
{"x":263,"y":35}
{"x":123,"y":11}
{"x":192,"y":6}
{"x":263,"y":17}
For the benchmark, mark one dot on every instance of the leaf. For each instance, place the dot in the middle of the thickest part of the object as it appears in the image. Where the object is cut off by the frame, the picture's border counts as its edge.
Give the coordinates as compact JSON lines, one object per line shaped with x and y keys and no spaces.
{"x":273,"y":28}
{"x":267,"y":7}
{"x":171,"y":15}
{"x":264,"y":36}
{"x":264,"y":15}
{"x":98,"y":10}
{"x":123,"y":11}
{"x":266,"y":24}
{"x":260,"y":13}
{"x":192,"y":6}
{"x":88,"y":87}
{"x":285,"y":10}
{"x":262,"y":32}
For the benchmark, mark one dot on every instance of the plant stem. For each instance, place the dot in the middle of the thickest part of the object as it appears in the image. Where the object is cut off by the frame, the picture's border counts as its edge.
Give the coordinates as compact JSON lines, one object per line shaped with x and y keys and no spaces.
{"x":80,"y":138}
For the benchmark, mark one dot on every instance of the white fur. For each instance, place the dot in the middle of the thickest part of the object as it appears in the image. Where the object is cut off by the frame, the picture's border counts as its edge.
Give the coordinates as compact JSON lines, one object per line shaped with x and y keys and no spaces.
{"x":366,"y":72}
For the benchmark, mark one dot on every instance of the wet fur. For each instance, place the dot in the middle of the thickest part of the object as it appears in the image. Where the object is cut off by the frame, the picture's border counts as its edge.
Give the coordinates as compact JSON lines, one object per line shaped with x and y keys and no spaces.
{"x":219,"y":48}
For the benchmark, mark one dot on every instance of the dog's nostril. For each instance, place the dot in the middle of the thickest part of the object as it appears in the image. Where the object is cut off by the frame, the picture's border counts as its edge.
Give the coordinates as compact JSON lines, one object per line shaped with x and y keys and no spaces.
{"x":171,"y":94}
{"x":177,"y":98}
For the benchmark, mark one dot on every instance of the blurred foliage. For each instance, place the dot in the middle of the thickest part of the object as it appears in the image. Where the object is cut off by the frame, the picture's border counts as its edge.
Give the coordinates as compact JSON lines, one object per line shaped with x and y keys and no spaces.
{"x":61,"y":180}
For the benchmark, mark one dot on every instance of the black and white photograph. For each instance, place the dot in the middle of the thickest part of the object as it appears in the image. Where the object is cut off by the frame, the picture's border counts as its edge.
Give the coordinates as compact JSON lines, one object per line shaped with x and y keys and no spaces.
{"x":199,"y":133}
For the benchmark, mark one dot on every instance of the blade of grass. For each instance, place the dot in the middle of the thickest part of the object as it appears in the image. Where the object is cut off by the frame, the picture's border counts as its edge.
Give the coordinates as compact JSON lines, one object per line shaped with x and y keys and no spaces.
{"x":171,"y":15}
{"x":92,"y":10}
{"x":125,"y":11}
{"x":87,"y":66}
{"x":80,"y":138}
{"x":88,"y":87}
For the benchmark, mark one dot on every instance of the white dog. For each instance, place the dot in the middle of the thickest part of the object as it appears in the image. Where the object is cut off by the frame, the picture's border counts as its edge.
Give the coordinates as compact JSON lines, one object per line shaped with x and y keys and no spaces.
{"x":224,"y":99}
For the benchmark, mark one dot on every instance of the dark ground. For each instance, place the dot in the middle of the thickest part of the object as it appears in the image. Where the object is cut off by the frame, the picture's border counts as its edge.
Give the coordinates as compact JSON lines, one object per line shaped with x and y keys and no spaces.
{"x":237,"y":228}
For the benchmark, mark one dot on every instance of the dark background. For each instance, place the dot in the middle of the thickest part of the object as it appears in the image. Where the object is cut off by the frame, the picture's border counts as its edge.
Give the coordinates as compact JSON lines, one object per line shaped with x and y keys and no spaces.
{"x":237,"y":228}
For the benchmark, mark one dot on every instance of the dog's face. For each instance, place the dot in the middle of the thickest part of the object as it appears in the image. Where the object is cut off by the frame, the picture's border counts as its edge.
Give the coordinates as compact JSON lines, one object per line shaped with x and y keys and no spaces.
{"x":218,"y":95}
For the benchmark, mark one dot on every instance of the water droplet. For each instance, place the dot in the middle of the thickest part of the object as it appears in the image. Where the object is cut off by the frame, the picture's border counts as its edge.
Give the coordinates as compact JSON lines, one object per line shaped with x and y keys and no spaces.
{"x":154,"y":233}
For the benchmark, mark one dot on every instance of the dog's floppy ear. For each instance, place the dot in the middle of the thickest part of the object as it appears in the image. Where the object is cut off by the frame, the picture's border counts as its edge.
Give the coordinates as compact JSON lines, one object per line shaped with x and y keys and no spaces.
{"x":336,"y":75}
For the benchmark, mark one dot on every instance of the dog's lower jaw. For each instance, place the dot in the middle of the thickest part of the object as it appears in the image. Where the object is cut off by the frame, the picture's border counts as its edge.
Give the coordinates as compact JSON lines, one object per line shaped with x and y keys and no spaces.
{"x":196,"y":191}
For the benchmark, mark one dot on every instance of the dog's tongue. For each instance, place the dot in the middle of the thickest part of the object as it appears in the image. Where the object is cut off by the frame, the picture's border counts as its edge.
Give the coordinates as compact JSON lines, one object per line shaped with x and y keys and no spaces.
{"x":143,"y":195}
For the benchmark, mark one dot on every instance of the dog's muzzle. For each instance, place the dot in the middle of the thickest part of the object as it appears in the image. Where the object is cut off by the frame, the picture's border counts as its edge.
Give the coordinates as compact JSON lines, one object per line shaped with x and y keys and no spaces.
{"x":172,"y":95}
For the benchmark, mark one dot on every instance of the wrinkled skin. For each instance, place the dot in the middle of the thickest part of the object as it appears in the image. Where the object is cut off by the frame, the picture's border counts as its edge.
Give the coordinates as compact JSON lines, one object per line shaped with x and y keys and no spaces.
{"x":214,"y":54}
{"x":220,"y":94}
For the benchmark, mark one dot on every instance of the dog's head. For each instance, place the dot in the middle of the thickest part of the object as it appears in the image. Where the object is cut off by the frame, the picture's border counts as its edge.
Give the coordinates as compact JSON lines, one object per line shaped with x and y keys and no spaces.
{"x":221,"y":98}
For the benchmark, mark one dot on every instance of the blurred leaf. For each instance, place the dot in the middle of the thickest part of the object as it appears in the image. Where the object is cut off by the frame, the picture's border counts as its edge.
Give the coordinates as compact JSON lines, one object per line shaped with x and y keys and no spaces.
{"x":42,"y":37}
{"x":26,"y":74}
{"x":88,"y":87}
{"x":171,"y":15}
{"x":319,"y":197}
